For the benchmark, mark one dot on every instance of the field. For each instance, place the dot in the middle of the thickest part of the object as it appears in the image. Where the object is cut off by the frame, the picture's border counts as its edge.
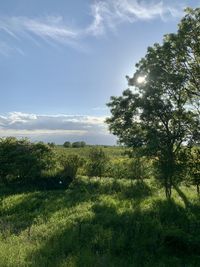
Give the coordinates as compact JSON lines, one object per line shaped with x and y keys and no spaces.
{"x":100,"y":223}
{"x":112,"y":152}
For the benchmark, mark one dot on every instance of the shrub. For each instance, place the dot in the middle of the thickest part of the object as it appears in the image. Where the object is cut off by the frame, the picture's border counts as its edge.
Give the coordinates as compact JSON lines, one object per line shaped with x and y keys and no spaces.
{"x":23,"y":161}
{"x":189,"y":165}
{"x":70,"y":167}
{"x":51,"y":144}
{"x":117,"y":168}
{"x":130,"y":168}
{"x":138,"y":168}
{"x":97,"y":162}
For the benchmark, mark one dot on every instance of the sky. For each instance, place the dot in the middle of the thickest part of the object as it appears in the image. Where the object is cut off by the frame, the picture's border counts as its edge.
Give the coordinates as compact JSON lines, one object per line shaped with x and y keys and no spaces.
{"x":61,"y":60}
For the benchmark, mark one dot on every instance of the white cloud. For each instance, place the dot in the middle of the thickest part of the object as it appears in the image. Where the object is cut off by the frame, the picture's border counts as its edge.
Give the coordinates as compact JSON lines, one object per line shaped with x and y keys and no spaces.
{"x":105,"y":14}
{"x":56,"y":127}
{"x":12,"y":132}
{"x":19,"y":117}
{"x":100,"y":108}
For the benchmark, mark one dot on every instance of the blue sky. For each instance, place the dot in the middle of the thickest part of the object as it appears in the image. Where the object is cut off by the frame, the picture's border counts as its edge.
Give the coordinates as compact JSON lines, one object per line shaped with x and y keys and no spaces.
{"x":60,"y":61}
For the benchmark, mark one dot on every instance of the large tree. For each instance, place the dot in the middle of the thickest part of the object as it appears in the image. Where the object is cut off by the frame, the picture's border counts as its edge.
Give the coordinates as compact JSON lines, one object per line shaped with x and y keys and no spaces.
{"x":160,"y":113}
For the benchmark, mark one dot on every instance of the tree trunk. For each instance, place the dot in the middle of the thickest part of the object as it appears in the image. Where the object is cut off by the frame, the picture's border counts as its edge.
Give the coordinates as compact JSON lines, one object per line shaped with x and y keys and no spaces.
{"x":198,"y":190}
{"x":168,"y":187}
{"x":169,"y":171}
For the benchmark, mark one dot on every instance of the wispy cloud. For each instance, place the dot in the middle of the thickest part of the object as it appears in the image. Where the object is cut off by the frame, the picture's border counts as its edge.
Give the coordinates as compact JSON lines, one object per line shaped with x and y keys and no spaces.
{"x":47,"y":28}
{"x":7,"y":50}
{"x":56,"y":127}
{"x":105,"y":15}
{"x":110,"y":13}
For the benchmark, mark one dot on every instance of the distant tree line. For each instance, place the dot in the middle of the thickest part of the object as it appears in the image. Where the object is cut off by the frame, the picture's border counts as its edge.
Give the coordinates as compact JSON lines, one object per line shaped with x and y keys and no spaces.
{"x":68,"y":144}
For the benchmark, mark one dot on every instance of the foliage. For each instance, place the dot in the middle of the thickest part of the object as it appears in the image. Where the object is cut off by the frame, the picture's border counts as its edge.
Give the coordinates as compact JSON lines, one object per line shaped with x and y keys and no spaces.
{"x":70,"y":167}
{"x":189,"y":161}
{"x":156,"y":117}
{"x":23,"y":161}
{"x":67,"y":144}
{"x":78,"y":144}
{"x":130,"y":168}
{"x":97,"y":162}
{"x":194,"y":168}
{"x":117,"y":168}
{"x":51,"y":144}
{"x":139,"y":168}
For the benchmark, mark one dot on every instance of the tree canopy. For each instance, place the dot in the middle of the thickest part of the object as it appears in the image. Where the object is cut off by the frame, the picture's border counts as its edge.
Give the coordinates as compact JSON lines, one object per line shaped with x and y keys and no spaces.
{"x":160,"y":112}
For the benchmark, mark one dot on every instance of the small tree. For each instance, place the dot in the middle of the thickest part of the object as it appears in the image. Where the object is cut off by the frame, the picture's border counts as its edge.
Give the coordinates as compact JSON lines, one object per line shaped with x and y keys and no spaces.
{"x":97,"y":162}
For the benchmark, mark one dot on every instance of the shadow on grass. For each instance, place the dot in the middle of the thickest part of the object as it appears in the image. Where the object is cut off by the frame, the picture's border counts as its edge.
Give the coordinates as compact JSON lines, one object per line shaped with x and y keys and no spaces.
{"x":32,"y":206}
{"x":162,"y":235}
{"x":182,"y":195}
{"x":21,"y":212}
{"x":126,"y":189}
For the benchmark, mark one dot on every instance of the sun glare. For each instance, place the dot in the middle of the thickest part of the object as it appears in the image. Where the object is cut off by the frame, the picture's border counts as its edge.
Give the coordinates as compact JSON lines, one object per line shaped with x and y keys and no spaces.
{"x":141,"y":79}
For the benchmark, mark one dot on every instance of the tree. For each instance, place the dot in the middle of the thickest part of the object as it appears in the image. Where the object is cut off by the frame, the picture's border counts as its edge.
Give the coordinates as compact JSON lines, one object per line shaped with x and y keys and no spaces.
{"x":187,"y":42}
{"x":78,"y":144}
{"x":156,"y":116}
{"x":67,"y":144}
{"x":97,"y":162}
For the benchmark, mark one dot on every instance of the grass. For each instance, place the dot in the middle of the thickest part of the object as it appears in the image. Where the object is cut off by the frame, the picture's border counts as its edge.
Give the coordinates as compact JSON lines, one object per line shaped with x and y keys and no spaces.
{"x":100,"y":222}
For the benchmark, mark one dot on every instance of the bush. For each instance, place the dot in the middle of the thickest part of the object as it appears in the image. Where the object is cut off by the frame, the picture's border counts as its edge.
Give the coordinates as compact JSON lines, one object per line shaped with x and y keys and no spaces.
{"x":134,"y":168}
{"x":97,"y":162}
{"x":22,"y":161}
{"x":189,"y":166}
{"x":138,"y":168}
{"x":117,"y":169}
{"x":51,"y":144}
{"x":70,"y":167}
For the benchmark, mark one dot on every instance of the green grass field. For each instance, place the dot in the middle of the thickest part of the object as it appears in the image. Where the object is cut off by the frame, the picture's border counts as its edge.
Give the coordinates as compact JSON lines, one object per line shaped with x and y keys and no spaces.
{"x":100,"y":222}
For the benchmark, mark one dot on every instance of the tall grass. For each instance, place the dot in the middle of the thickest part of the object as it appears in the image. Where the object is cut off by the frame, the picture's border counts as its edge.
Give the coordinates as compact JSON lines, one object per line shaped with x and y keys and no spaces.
{"x":100,"y":222}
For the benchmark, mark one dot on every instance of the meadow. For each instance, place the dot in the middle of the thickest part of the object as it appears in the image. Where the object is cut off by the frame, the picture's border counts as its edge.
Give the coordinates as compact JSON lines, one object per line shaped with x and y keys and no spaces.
{"x":103,"y":221}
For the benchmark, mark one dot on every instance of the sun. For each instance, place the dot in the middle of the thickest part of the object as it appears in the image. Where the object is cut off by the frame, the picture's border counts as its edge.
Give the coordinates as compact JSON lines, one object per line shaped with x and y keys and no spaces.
{"x":141,"y":79}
